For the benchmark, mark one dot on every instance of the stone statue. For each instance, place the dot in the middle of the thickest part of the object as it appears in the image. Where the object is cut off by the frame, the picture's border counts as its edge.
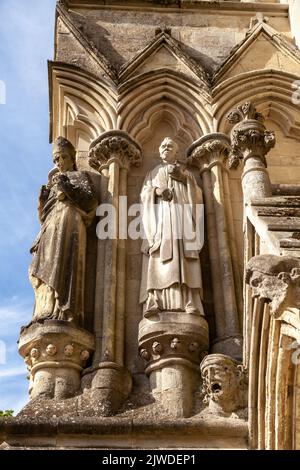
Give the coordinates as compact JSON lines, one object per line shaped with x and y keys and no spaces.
{"x":172,"y":203}
{"x":225,"y":384}
{"x":67,"y":205}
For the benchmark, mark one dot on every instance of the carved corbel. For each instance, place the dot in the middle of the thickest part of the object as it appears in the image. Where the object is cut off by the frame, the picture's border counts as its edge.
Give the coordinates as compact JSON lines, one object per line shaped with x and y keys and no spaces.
{"x":251,"y":142}
{"x":55,"y":353}
{"x":209,"y":150}
{"x":114,"y":146}
{"x":225,"y":384}
{"x":275,"y":279}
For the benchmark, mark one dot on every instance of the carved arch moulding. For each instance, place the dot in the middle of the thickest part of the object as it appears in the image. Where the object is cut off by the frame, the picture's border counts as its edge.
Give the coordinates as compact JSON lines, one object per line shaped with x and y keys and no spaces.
{"x":270,"y":90}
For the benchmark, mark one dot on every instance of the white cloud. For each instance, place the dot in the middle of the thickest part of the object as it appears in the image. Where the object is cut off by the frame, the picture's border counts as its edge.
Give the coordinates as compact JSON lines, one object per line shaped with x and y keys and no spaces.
{"x":13,"y":372}
{"x":14,"y":311}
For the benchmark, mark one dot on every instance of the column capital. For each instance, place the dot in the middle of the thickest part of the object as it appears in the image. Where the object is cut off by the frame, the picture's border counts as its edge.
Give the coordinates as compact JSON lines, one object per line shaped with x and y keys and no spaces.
{"x":211,"y":149}
{"x":114,"y":146}
{"x":249,"y":137}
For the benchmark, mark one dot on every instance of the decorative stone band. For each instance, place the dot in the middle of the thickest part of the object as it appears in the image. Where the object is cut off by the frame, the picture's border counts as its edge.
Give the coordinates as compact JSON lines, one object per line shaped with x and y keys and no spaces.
{"x":275,"y":279}
{"x":255,"y":168}
{"x":176,"y":336}
{"x":167,"y":349}
{"x":114,"y":146}
{"x":169,"y":362}
{"x":208,"y":151}
{"x":55,"y":353}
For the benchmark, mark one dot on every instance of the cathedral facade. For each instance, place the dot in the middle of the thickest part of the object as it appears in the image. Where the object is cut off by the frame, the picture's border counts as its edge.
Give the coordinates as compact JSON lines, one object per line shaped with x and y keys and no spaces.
{"x":166,"y":271}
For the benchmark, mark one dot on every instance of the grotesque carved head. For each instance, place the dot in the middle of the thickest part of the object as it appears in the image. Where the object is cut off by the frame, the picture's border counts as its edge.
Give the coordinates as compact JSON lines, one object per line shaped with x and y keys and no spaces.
{"x":275,"y":279}
{"x":224,"y":384}
{"x":51,"y":350}
{"x":168,"y":150}
{"x":34,"y":353}
{"x":64,"y":154}
{"x":69,"y":350}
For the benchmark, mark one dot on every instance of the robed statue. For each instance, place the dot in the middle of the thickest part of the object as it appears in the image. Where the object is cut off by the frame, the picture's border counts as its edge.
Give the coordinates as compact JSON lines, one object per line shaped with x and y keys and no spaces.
{"x":67,"y":206}
{"x":173,"y":237}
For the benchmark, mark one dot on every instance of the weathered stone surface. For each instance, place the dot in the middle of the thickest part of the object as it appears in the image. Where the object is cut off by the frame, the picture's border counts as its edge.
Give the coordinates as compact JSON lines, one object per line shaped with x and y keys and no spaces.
{"x":125,"y":75}
{"x":225,"y":384}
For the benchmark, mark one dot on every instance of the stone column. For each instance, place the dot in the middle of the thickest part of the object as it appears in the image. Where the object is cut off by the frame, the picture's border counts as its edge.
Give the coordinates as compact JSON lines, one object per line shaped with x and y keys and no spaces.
{"x":209,"y":154}
{"x":172,"y":345}
{"x":251,"y":142}
{"x":111,"y":154}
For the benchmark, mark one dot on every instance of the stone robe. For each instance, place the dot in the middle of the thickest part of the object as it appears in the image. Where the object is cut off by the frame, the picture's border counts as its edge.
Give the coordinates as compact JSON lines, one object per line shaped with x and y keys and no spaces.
{"x":171,"y":274}
{"x":57,"y":270}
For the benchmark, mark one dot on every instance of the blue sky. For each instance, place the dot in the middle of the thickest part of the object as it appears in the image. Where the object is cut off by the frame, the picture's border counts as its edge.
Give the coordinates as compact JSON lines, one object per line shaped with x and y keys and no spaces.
{"x":26,"y":42}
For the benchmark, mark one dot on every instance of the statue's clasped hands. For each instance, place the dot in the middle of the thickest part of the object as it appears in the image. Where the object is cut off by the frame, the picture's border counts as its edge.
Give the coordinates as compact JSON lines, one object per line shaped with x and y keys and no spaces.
{"x":165,"y":193}
{"x":62,"y":182}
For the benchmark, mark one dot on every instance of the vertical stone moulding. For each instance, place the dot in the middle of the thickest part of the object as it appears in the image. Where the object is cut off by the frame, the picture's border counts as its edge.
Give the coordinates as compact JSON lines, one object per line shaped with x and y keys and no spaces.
{"x":111,"y":154}
{"x":209,"y":154}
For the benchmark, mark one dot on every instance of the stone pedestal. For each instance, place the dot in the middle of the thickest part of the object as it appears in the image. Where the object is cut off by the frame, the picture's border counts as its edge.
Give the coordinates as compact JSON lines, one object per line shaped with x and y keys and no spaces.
{"x":55,"y":353}
{"x":172,"y":344}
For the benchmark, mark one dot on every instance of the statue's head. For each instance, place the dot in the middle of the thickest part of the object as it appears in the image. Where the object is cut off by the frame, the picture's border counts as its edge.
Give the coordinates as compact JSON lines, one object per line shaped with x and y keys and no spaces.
{"x":64,"y":155}
{"x":168,"y":150}
{"x":223,"y":382}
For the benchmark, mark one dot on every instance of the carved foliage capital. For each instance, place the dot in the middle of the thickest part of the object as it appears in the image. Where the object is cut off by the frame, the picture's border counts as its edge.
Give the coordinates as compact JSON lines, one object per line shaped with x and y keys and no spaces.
{"x":248,"y":142}
{"x":249,"y":137}
{"x":209,"y":149}
{"x":114,"y":146}
{"x":275,"y":279}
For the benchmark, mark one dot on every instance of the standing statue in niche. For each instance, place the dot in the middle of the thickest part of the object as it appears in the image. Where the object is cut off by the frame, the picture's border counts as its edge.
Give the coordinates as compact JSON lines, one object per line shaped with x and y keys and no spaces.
{"x":67,"y":206}
{"x":172,"y":209}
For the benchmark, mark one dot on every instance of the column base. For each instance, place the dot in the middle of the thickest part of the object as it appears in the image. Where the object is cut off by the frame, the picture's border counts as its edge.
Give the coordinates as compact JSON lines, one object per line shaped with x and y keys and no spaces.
{"x":107,"y":386}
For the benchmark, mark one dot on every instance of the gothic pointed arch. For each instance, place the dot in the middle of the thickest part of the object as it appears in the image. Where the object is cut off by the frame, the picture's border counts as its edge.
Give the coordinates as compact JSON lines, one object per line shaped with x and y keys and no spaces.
{"x":166,"y":94}
{"x":271,"y":90}
{"x":81,"y":106}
